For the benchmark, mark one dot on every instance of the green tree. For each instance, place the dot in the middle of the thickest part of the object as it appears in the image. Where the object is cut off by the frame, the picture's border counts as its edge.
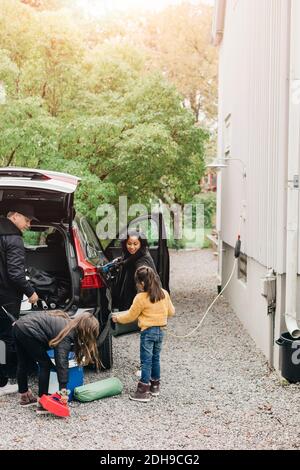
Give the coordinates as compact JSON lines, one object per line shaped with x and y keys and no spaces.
{"x":178,"y":40}
{"x":27,"y":133}
{"x":9,"y":73}
{"x":90,"y":103}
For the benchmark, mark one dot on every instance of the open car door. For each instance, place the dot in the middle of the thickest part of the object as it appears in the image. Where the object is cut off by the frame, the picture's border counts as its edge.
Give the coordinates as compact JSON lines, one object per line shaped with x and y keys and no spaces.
{"x":154,"y":228}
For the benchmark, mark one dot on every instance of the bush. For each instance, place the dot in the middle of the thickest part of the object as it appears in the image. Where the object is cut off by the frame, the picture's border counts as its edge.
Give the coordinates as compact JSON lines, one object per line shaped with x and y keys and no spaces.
{"x":209,"y":201}
{"x":176,"y":244}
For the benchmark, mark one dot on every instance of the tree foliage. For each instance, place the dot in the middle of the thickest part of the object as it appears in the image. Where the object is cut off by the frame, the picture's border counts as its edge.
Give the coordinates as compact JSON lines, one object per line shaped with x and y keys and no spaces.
{"x":80,"y":100}
{"x":179,"y":43}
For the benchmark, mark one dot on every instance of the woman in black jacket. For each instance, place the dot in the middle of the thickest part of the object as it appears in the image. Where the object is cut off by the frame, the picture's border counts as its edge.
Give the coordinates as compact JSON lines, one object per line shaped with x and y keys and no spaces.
{"x":135,"y":254}
{"x":37,"y":332}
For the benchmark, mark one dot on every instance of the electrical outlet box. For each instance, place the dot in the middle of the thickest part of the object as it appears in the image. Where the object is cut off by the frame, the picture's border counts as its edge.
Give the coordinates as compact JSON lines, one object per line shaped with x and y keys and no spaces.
{"x":268,"y":286}
{"x":264,"y":286}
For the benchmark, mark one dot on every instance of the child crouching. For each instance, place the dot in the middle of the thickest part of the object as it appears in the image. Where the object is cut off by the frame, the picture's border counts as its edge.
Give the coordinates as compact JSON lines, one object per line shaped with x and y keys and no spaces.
{"x":36,"y":332}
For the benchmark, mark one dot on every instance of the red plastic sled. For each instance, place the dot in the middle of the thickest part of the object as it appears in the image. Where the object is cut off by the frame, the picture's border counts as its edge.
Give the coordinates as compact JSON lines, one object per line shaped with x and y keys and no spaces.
{"x":53,"y":404}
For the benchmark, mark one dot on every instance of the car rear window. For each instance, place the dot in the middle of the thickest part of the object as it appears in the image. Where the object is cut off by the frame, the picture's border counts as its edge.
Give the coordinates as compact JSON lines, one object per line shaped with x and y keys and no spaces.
{"x":92,"y":246}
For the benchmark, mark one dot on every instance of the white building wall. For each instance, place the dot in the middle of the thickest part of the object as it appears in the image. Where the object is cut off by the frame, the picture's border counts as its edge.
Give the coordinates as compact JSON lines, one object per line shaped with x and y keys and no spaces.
{"x":253,"y":97}
{"x":246,"y":300}
{"x":254,"y":102}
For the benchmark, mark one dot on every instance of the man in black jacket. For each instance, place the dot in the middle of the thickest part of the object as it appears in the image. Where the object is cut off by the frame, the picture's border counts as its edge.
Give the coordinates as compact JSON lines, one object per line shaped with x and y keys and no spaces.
{"x":13,"y":283}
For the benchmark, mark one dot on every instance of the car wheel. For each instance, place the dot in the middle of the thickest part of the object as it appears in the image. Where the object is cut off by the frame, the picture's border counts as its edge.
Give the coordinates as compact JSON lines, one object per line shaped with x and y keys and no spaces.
{"x":3,"y":378}
{"x":105,"y":353}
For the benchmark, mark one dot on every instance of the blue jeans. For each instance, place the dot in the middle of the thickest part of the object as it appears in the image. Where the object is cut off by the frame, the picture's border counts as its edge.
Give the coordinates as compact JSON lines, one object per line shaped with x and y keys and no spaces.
{"x":150,"y":347}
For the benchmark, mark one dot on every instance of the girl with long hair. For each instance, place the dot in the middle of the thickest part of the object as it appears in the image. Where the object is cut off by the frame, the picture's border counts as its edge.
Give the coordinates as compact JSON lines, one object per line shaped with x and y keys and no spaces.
{"x":135,"y":254}
{"x":151,"y":307}
{"x":37,"y":332}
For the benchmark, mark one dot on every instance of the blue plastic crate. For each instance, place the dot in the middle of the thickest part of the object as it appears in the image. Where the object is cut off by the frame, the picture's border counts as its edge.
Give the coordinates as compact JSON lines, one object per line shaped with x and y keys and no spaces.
{"x":75,"y":377}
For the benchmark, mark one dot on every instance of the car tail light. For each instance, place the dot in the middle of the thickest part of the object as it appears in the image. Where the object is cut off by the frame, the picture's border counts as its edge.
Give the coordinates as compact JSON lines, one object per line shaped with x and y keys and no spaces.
{"x":91,"y":279}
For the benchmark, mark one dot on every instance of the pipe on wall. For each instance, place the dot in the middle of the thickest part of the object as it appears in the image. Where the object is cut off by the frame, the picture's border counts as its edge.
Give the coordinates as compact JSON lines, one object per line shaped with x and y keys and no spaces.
{"x":218,"y":22}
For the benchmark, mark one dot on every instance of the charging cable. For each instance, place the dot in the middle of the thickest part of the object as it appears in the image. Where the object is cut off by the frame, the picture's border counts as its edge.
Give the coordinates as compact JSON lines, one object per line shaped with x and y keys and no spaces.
{"x":237,"y":252}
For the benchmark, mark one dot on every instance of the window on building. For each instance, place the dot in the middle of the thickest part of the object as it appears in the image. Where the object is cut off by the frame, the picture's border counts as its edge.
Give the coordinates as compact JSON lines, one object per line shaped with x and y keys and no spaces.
{"x":242,"y":267}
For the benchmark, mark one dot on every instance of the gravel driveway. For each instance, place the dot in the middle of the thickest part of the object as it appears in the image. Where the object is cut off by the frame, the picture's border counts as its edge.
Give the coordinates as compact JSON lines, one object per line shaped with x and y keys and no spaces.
{"x":217,"y":390}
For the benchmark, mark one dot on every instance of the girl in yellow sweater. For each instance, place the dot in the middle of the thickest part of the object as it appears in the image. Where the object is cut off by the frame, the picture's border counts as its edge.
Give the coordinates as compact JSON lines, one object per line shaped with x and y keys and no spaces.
{"x":151,"y":307}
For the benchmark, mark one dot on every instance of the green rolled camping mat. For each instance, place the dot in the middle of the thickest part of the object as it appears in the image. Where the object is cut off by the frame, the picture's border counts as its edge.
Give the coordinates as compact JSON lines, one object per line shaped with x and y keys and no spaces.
{"x":101,"y":389}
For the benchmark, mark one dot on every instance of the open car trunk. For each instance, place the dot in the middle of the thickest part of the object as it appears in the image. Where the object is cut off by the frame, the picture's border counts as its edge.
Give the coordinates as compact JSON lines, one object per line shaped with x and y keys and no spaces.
{"x":48,"y":268}
{"x":51,"y":194}
{"x":50,"y":258}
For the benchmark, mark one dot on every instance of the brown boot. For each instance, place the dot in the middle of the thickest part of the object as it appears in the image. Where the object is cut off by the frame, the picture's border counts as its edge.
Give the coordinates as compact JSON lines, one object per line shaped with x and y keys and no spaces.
{"x":154,"y":388}
{"x":142,"y":393}
{"x":28,"y":399}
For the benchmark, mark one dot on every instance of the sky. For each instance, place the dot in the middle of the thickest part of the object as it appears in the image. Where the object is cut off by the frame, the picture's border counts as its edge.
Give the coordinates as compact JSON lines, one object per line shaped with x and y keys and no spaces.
{"x":102,"y":7}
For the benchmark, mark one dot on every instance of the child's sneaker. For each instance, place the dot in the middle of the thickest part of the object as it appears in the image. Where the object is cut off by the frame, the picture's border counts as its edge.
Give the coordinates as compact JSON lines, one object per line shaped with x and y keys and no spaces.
{"x":154,"y":388}
{"x":28,"y":399}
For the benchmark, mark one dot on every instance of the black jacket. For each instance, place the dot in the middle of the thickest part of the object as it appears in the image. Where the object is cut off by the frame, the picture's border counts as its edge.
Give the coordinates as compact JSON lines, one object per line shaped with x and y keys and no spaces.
{"x":126,"y":284}
{"x":43,"y":327}
{"x":12,"y":262}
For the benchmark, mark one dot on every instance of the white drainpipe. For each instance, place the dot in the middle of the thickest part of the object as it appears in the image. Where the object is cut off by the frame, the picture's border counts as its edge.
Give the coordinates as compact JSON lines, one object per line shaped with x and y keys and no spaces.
{"x":218,"y":22}
{"x":217,"y":36}
{"x":293,"y":175}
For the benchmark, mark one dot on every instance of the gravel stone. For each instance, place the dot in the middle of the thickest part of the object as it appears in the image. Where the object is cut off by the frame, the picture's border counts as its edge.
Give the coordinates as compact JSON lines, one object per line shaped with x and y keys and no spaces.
{"x":217,"y":389}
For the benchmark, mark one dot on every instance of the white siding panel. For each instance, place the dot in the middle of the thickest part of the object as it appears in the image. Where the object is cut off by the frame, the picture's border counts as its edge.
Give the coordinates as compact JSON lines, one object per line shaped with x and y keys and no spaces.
{"x":254,"y":90}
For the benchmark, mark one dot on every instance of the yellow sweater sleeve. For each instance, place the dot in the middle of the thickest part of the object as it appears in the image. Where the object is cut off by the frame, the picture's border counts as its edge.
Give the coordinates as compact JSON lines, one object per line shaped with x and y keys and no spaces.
{"x":133,"y":313}
{"x":171,"y":308}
